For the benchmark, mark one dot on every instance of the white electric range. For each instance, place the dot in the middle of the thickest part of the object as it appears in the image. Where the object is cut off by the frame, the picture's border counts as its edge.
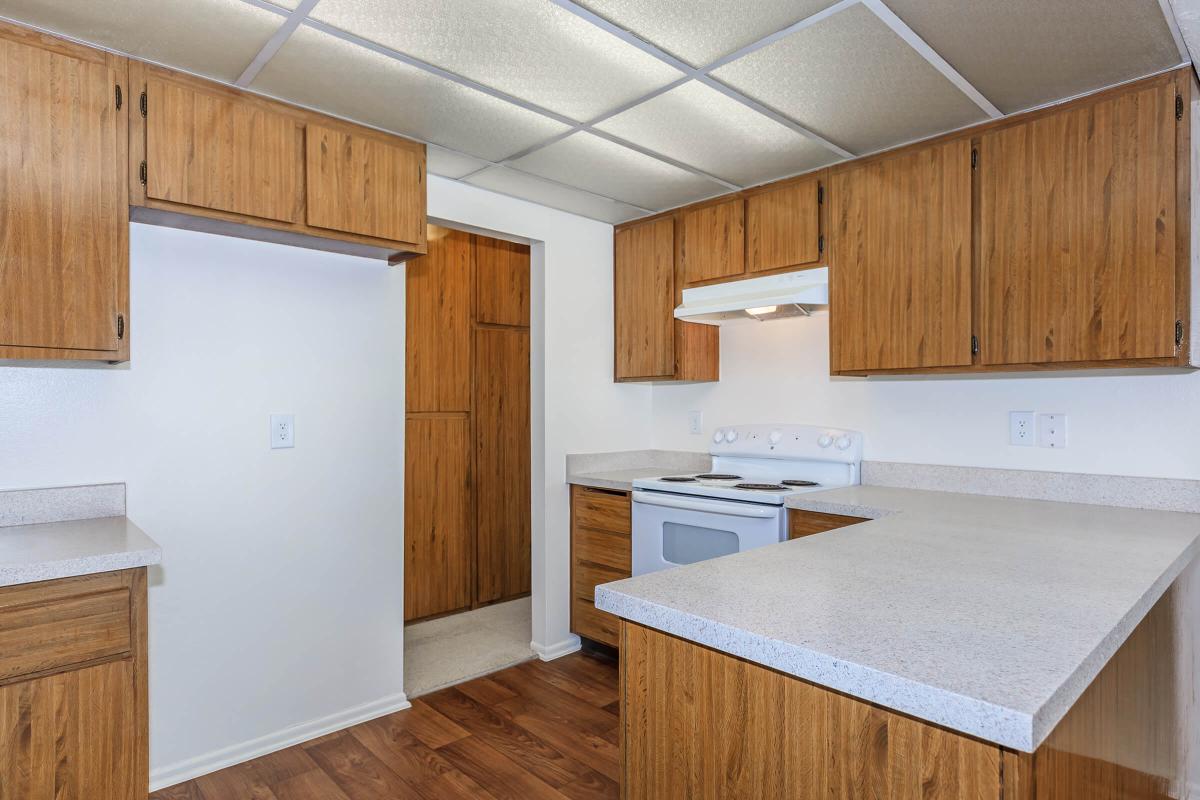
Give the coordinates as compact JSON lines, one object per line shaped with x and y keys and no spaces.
{"x":738,"y":504}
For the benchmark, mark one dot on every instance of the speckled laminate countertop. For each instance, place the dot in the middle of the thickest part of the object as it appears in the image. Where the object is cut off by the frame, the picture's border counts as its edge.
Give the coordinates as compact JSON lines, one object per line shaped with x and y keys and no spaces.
{"x":52,"y":550}
{"x":986,"y":615}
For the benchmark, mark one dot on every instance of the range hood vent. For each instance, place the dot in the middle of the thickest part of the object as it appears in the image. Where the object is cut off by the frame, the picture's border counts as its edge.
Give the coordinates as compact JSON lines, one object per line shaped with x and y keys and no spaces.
{"x":771,"y":297}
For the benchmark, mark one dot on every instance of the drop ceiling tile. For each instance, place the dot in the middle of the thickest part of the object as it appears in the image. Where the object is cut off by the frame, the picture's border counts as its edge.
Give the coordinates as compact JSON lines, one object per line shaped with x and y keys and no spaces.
{"x":527,"y":187}
{"x":695,"y":124}
{"x":449,"y":164}
{"x":851,"y":79}
{"x":327,"y":73}
{"x":1022,"y":53}
{"x":531,"y":49}
{"x":603,"y":167}
{"x":701,"y":31}
{"x":217,"y":38}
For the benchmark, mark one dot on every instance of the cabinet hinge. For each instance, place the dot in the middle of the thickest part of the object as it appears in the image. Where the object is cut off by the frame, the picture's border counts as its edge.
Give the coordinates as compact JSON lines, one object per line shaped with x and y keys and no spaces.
{"x":820,"y":244}
{"x":120,"y":326}
{"x":974,"y":345}
{"x":820,"y":195}
{"x":1178,"y":106}
{"x":1178,"y":333}
{"x":142,"y":104}
{"x":119,"y":97}
{"x":974,"y":158}
{"x":142,"y":173}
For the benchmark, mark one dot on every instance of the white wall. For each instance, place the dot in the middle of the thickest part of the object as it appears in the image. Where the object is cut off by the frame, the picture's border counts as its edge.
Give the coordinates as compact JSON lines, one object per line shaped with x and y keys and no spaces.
{"x":1130,"y":424}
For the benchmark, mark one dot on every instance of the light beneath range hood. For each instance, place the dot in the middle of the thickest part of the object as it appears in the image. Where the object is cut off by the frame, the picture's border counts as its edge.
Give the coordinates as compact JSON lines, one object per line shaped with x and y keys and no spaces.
{"x":771,"y":297}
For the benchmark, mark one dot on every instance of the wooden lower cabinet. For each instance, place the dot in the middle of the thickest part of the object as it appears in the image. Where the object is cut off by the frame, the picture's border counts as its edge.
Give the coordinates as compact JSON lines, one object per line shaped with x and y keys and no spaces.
{"x":806,"y":523}
{"x":75,"y":724}
{"x":601,"y":552}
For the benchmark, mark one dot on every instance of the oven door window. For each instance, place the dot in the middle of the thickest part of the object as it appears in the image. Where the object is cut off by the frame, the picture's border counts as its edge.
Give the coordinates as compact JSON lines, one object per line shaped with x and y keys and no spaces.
{"x":687,"y":544}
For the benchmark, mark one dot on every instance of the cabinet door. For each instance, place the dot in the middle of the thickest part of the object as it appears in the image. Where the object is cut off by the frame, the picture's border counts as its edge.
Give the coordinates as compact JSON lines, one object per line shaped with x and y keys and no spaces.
{"x":502,"y":463}
{"x":218,"y":151}
{"x":644,"y":300}
{"x":365,"y":185}
{"x":501,"y":282}
{"x":900,"y":261}
{"x":64,"y":208}
{"x":712,"y":242}
{"x":783,"y":227}
{"x":71,"y":735}
{"x":438,"y":325}
{"x":437,"y":523}
{"x":1077,"y":233}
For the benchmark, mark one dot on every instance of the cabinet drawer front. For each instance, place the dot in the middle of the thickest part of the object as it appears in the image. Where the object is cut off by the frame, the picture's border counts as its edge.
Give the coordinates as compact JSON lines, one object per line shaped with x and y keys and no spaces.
{"x":593,"y":623}
{"x":602,"y":510}
{"x":588,"y":576}
{"x":600,"y":547}
{"x":69,"y":630}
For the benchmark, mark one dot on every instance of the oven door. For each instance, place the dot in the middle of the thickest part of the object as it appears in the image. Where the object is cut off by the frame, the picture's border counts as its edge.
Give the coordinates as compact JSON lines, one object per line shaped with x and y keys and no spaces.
{"x":672,"y":529}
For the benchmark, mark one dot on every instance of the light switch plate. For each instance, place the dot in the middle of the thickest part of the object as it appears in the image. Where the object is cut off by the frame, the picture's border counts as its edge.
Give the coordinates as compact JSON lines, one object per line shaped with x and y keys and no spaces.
{"x":696,"y":422}
{"x":1052,"y":430}
{"x":1021,"y":432}
{"x":283,"y":431}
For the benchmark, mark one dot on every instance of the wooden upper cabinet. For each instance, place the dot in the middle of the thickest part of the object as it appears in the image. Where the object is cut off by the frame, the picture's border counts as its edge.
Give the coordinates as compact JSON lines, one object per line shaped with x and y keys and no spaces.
{"x":644,"y":300}
{"x":1077,"y":213}
{"x":712,"y":242}
{"x":438,"y":324}
{"x":783,"y":227}
{"x":63,"y":200}
{"x":501,"y":282}
{"x":365,"y":184}
{"x":900,"y":260}
{"x":212,"y":149}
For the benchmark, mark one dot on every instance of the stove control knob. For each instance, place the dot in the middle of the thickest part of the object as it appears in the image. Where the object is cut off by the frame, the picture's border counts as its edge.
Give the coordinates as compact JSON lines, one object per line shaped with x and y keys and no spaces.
{"x":843,"y":442}
{"x":731,"y":436}
{"x":775,"y":438}
{"x":825,"y":440}
{"x":719,"y":436}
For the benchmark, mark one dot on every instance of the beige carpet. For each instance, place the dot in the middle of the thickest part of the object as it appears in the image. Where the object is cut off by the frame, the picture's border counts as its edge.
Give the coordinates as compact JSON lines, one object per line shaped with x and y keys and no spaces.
{"x":454,"y":649}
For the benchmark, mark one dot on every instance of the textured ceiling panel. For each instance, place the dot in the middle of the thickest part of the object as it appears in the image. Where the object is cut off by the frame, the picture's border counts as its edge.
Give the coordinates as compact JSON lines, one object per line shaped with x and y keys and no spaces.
{"x":536,"y":190}
{"x":697,"y":125}
{"x":600,"y":166}
{"x":449,"y":164}
{"x":530,"y":49}
{"x":701,"y":31}
{"x":322,"y":71}
{"x":217,"y":38}
{"x":851,"y":79}
{"x":1022,"y":53}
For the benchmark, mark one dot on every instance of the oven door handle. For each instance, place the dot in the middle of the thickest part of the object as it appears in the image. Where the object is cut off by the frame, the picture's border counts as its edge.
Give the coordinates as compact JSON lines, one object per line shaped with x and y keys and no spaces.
{"x":689,"y":504}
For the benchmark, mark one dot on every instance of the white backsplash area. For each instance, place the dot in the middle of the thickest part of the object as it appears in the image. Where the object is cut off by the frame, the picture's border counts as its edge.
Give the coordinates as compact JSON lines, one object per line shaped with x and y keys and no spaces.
{"x":1132,"y":423}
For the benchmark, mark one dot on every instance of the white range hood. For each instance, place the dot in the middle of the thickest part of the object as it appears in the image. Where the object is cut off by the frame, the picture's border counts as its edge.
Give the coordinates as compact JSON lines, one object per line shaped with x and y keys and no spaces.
{"x":771,"y":297}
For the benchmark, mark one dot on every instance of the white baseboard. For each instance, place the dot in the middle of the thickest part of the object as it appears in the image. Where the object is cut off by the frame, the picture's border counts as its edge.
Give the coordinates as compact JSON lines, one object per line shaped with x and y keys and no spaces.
{"x":187,"y":769}
{"x":558,"y":649}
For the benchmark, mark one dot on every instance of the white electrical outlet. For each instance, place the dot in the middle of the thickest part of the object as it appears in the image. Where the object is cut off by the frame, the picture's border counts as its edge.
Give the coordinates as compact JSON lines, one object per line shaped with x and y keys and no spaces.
{"x":696,"y":422}
{"x":1021,"y":432}
{"x":283,"y":431}
{"x":1052,"y":430}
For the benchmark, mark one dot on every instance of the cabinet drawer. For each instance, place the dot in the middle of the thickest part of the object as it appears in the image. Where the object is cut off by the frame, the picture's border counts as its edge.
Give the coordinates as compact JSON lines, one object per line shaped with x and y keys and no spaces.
{"x":588,"y":576}
{"x":54,"y":632}
{"x":595,"y":508}
{"x":604,"y":548}
{"x":593,"y":623}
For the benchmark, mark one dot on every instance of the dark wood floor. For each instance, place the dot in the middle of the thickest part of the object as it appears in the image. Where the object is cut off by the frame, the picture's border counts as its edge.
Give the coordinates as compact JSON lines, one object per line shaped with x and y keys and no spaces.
{"x":537,"y":730}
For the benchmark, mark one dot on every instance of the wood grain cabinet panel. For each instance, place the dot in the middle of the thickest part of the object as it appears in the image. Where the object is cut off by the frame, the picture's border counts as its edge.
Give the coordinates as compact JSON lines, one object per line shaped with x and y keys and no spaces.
{"x":712,"y":242}
{"x":501,"y":282}
{"x":1077,"y":233}
{"x":437,"y":520}
{"x":63,"y":200}
{"x":600,"y":553}
{"x":900,"y":260}
{"x":52,"y":634}
{"x":612,"y":550}
{"x":502,"y":461}
{"x":365,"y":184}
{"x":644,"y":300}
{"x":783,"y":227}
{"x":438,"y":325}
{"x":601,"y":509}
{"x":806,"y":523}
{"x":211,"y":150}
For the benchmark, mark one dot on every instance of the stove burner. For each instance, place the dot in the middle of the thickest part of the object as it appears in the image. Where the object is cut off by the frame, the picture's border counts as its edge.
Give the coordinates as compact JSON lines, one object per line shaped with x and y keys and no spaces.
{"x":716,"y":476}
{"x":678,"y":479}
{"x":800,"y":483}
{"x":761,"y":487}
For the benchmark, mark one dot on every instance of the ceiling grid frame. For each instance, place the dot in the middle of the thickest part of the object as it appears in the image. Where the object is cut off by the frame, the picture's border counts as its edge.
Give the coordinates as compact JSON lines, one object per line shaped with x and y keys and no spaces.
{"x":277,"y":40}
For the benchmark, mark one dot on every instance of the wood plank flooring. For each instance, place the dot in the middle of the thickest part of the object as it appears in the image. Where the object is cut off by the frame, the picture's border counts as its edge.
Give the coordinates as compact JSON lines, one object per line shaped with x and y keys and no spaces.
{"x":536,"y":731}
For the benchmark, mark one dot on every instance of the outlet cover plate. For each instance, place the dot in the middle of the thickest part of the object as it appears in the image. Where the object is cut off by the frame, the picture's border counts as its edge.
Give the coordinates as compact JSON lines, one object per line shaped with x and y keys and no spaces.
{"x":1022,"y":431}
{"x":283,"y":431}
{"x":696,"y":422}
{"x":1052,"y":430}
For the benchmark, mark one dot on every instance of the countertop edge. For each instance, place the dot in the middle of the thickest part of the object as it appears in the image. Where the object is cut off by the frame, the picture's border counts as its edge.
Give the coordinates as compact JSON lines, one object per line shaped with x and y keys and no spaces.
{"x":143,"y":552}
